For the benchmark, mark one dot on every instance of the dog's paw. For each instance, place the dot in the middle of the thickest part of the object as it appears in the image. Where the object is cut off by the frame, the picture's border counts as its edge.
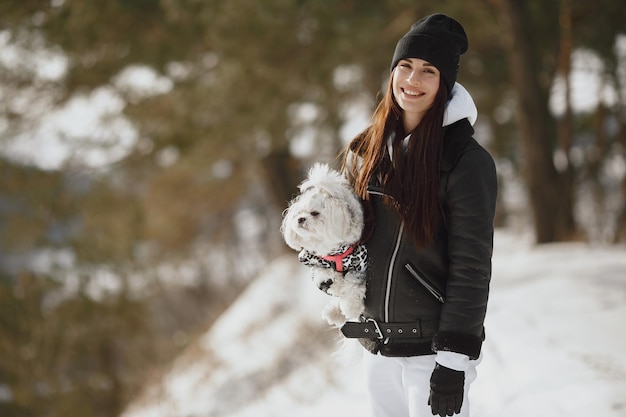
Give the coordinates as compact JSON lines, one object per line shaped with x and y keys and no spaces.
{"x":352,"y":309}
{"x":352,"y":299}
{"x":333,"y":315}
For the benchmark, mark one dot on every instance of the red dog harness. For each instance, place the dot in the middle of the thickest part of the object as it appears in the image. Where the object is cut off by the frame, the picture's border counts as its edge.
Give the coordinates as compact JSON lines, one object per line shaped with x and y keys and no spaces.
{"x":349,"y":257}
{"x":338,"y":258}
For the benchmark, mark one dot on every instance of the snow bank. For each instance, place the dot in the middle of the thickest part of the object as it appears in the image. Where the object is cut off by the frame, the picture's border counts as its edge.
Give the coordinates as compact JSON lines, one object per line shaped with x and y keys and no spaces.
{"x":555,"y":341}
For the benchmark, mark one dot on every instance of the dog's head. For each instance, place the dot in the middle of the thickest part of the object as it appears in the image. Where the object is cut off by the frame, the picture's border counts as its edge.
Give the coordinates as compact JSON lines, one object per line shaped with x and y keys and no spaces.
{"x":325,"y":215}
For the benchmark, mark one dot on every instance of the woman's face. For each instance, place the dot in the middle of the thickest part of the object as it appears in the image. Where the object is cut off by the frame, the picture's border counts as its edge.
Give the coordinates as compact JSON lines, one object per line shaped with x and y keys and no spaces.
{"x":415,"y":84}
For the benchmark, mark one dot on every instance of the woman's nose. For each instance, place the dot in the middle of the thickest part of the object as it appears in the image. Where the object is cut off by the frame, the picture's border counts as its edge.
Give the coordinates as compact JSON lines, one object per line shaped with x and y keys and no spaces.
{"x":414,"y":78}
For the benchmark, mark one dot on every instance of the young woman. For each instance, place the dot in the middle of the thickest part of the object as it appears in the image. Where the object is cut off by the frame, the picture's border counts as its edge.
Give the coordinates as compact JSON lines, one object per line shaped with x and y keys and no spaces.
{"x":430,"y":191}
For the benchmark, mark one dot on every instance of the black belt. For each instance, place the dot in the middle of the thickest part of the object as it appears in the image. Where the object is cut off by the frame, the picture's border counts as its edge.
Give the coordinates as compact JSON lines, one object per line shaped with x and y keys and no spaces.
{"x":371,"y":329}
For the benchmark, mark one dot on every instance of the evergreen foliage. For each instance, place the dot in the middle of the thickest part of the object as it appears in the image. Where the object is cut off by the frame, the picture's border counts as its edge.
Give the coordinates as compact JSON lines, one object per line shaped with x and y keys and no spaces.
{"x":213,"y":163}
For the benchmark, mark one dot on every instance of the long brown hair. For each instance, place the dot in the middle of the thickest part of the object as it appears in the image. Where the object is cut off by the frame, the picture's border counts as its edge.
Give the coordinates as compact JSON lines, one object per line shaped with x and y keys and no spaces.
{"x":410,"y":179}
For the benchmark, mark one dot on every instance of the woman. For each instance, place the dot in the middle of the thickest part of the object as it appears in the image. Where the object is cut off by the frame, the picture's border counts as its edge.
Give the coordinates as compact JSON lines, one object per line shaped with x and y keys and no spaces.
{"x":430,"y":189}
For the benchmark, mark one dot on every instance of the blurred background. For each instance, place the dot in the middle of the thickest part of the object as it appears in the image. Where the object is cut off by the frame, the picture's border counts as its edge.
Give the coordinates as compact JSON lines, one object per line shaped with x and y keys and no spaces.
{"x":149,"y":147}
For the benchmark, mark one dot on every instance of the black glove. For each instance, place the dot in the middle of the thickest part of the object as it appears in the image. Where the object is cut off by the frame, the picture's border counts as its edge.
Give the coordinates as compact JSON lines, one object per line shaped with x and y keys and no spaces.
{"x":446,"y":391}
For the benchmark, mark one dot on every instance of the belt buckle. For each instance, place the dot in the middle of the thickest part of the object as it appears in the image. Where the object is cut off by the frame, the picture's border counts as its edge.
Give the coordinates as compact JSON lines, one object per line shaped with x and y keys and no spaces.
{"x":377,"y":328}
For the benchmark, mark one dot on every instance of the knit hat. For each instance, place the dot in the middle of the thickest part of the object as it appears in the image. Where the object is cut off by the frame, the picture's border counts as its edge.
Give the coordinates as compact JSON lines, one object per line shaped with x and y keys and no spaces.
{"x":438,"y":39}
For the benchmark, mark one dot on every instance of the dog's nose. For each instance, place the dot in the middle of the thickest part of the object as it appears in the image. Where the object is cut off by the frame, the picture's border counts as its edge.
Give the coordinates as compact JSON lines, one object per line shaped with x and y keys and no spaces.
{"x":301,"y":220}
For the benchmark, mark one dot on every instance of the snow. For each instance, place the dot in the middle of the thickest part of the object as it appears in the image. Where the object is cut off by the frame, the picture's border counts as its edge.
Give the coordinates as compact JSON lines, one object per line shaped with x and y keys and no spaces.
{"x":555,"y":332}
{"x":555,"y":342}
{"x":88,"y":130}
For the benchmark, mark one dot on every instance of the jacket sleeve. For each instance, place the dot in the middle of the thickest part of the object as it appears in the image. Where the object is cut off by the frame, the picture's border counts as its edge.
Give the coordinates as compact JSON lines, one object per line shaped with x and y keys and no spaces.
{"x":471,"y":193}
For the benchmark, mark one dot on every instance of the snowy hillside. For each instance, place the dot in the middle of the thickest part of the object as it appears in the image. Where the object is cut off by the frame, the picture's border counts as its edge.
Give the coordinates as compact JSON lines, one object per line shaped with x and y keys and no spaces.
{"x":555,"y":345}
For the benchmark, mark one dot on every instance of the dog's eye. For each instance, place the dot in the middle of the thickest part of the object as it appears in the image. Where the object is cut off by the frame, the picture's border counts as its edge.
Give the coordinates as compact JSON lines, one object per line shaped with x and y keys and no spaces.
{"x":315,"y":213}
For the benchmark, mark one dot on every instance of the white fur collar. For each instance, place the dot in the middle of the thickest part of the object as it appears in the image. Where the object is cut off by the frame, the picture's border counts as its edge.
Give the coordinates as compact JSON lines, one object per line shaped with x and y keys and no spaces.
{"x":460,"y":106}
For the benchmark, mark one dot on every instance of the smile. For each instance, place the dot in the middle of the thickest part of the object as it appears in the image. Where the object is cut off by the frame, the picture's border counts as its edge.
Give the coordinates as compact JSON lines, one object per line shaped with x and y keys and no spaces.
{"x":412,"y":93}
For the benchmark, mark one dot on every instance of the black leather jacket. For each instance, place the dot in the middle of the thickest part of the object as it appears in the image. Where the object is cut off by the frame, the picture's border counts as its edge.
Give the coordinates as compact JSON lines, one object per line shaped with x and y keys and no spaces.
{"x":445,"y":286}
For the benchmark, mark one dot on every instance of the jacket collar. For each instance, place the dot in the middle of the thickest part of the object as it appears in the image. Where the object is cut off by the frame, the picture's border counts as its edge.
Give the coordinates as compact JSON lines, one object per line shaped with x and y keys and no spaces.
{"x":457,"y":135}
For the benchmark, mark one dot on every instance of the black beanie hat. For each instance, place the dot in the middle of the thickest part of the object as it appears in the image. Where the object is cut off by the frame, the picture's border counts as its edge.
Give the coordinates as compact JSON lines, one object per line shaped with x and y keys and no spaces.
{"x":438,"y":39}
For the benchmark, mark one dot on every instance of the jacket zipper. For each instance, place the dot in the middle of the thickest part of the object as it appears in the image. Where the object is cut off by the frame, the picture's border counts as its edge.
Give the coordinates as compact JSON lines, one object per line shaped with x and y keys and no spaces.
{"x":391,"y":266}
{"x":425,"y":283}
{"x":390,"y":272}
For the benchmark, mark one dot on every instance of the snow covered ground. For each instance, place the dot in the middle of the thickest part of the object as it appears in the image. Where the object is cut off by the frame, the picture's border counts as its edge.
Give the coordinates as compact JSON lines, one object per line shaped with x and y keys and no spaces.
{"x":556,"y":339}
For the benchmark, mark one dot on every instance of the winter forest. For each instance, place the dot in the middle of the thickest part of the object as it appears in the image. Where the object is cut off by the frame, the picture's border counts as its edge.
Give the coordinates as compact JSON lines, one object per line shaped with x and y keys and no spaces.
{"x":149,"y":147}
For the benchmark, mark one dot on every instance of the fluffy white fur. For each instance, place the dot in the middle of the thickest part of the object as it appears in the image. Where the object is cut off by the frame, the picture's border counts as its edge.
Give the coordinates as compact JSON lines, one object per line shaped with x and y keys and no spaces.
{"x":325,"y":216}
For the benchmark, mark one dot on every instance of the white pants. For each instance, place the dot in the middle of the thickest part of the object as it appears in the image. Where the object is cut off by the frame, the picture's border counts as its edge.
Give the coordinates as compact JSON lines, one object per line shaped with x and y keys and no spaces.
{"x":399,"y":387}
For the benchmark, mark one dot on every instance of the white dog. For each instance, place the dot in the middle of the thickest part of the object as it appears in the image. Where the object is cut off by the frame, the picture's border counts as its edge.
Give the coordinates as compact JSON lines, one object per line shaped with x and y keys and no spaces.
{"x":324,"y":222}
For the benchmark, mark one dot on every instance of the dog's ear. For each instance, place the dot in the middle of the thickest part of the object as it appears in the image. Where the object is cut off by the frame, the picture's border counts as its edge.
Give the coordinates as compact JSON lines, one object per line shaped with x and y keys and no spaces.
{"x":341,"y":222}
{"x":290,"y":237}
{"x":356,"y":211}
{"x":337,"y":220}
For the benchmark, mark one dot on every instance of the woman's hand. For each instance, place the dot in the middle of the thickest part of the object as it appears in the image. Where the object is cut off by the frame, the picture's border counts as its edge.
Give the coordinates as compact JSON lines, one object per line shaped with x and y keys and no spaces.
{"x":446,"y":391}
